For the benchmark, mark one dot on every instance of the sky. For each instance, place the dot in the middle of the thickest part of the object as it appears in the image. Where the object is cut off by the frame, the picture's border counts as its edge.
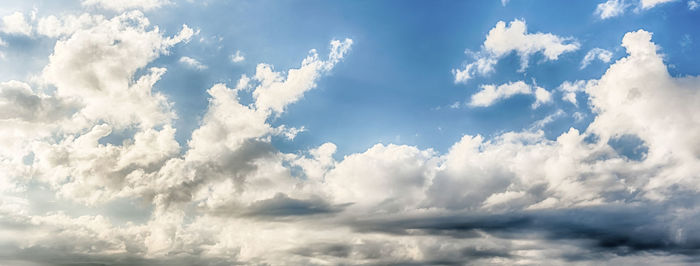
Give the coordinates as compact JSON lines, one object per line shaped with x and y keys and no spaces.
{"x":504,"y":132}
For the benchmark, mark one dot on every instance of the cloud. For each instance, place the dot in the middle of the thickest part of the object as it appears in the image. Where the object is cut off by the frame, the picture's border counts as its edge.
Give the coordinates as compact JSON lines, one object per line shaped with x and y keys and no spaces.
{"x":570,"y":89}
{"x":614,"y":8}
{"x":504,"y":39}
{"x":16,"y":23}
{"x":596,"y":53}
{"x":277,"y":91}
{"x":542,"y":96}
{"x":230,"y":197}
{"x":97,"y":66}
{"x":192,"y":63}
{"x":123,"y":5}
{"x":53,"y":26}
{"x":283,"y":206}
{"x":610,"y":8}
{"x":647,"y":4}
{"x":692,"y":5}
{"x":237,"y":57}
{"x":490,"y":94}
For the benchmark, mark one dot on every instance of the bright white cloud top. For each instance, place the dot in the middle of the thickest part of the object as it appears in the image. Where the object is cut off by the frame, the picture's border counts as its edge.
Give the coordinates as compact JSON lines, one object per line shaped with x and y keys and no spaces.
{"x":513,"y":37}
{"x":92,"y":131}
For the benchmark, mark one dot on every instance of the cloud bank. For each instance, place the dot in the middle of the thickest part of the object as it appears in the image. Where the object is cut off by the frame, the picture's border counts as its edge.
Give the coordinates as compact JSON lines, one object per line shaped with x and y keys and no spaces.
{"x":622,"y":191}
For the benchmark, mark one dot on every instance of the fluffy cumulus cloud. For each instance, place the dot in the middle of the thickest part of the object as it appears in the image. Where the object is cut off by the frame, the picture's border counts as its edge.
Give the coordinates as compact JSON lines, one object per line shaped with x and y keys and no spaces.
{"x":504,"y":39}
{"x":622,"y":191}
{"x":52,"y":26}
{"x":16,"y":23}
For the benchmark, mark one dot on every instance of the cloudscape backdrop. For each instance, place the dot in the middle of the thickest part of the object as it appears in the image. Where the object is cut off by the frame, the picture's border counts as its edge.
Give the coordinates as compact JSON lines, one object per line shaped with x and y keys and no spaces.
{"x":163,"y":132}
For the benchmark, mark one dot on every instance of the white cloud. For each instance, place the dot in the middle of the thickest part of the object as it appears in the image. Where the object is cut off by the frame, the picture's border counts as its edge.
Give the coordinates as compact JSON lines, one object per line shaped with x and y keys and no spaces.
{"x":490,"y":94}
{"x":15,"y":23}
{"x":647,"y":4}
{"x":230,"y":197}
{"x":692,"y":4}
{"x":596,"y":53}
{"x":192,"y":63}
{"x":276,"y":91}
{"x":610,"y":8}
{"x":614,"y":8}
{"x":542,"y":96}
{"x":504,"y":39}
{"x":123,"y":5}
{"x":53,"y":26}
{"x":97,"y":65}
{"x":569,"y":89}
{"x":237,"y":57}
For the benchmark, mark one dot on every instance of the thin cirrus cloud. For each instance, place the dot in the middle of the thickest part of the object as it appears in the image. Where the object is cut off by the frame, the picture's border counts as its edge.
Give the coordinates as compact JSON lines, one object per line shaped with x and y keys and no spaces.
{"x":620,"y":190}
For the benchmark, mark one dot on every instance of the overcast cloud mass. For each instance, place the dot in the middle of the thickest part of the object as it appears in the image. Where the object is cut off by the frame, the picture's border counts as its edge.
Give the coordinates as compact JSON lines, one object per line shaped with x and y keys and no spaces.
{"x":211,"y":132}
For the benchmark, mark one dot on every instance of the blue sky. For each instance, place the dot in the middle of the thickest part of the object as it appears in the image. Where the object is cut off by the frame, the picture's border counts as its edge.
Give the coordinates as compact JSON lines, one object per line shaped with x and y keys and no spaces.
{"x":409,"y":127}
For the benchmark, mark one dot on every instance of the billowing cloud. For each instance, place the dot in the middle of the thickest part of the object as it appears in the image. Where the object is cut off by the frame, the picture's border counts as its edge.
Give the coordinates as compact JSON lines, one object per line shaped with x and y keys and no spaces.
{"x":621,"y":191}
{"x":53,"y":26}
{"x":504,"y":39}
{"x":16,"y":23}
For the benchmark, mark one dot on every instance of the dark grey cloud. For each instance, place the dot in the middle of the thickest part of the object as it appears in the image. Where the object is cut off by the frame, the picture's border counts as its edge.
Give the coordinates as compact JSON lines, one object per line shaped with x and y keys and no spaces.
{"x":619,"y":230}
{"x":41,"y":256}
{"x":283,"y":205}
